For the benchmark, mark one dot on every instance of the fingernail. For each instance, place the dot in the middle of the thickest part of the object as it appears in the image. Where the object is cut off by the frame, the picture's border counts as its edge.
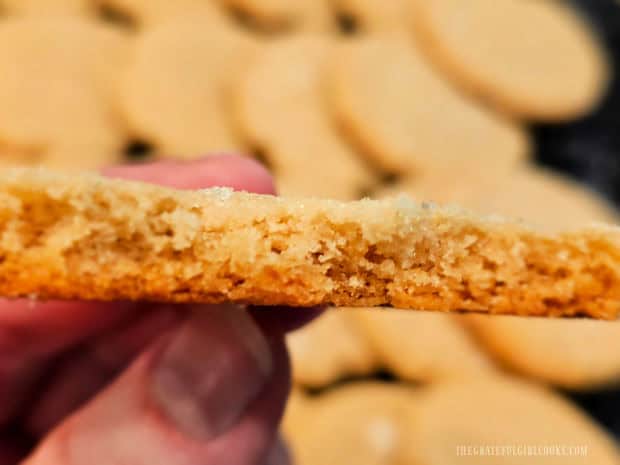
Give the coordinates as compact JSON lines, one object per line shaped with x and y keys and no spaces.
{"x":211,"y":370}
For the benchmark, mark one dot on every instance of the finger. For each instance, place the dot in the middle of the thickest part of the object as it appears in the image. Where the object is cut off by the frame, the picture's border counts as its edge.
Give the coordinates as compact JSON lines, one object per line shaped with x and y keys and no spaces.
{"x":92,"y":367}
{"x":31,"y":329}
{"x":31,"y":333}
{"x":212,"y":392}
{"x":234,"y":171}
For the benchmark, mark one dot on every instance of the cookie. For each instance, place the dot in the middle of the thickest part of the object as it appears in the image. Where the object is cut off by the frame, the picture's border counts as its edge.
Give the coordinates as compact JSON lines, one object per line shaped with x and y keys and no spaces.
{"x":377,"y":16}
{"x":576,"y":354}
{"x":329,"y":349}
{"x":88,"y":237}
{"x":532,"y":59}
{"x":280,"y":110}
{"x":284,"y":15}
{"x":57,"y":86}
{"x":422,"y":347}
{"x":176,"y":91}
{"x":298,"y":408}
{"x":360,"y":423}
{"x":503,"y":421}
{"x":549,"y":200}
{"x":46,"y":7}
{"x":406,"y":119}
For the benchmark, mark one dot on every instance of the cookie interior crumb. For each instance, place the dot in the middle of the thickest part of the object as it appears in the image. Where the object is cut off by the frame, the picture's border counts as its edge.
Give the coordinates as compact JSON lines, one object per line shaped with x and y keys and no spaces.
{"x":94,"y":238}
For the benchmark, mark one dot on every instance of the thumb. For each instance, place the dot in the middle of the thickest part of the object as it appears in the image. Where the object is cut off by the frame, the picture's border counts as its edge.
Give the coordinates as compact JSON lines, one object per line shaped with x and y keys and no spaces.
{"x":211,"y":392}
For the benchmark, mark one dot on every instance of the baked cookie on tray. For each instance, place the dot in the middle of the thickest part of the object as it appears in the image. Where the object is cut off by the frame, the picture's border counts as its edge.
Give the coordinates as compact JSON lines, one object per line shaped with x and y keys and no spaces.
{"x":505,"y":421}
{"x":176,"y":92}
{"x":330,"y":348}
{"x":422,"y":346}
{"x":532,"y":59}
{"x":58,"y":78}
{"x":363,"y":423}
{"x":89,"y":237}
{"x":281,"y":112}
{"x":406,"y":118}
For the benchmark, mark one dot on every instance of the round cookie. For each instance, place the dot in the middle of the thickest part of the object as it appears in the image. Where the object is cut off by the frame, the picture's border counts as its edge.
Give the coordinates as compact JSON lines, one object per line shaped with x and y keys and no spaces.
{"x":328,"y":349}
{"x":531,"y":59}
{"x":406,"y":119}
{"x":47,"y":7}
{"x":360,"y":423}
{"x":503,"y":422}
{"x":422,"y":346}
{"x":572,"y":353}
{"x":176,"y":92}
{"x":280,"y":110}
{"x":57,"y":91}
{"x":284,"y":15}
{"x":377,"y":16}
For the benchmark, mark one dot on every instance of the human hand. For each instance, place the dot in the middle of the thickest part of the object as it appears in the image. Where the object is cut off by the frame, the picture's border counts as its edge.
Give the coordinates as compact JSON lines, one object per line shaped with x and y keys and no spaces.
{"x":140,"y":383}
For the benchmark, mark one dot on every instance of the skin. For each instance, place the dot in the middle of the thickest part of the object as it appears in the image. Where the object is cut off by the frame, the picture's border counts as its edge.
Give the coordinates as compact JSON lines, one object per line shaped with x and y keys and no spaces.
{"x":142,"y":383}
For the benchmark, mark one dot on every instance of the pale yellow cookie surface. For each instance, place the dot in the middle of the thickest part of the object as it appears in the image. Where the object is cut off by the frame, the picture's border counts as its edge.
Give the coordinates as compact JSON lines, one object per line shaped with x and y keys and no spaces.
{"x":328,"y":349}
{"x":405,"y":118}
{"x":281,"y":112}
{"x":422,"y":346}
{"x":533,"y":59}
{"x":361,"y":424}
{"x":467,"y":423}
{"x":176,"y":92}
{"x":57,"y":91}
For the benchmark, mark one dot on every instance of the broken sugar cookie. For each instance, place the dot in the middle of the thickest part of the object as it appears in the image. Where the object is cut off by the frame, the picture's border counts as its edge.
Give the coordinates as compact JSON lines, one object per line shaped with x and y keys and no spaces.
{"x":531,"y":59}
{"x":422,"y":346}
{"x":281,"y":112}
{"x":344,"y":350}
{"x":176,"y":91}
{"x":283,"y":15}
{"x":504,"y":421}
{"x":88,"y":237}
{"x":57,"y":87}
{"x":362,"y":423}
{"x":405,"y":118}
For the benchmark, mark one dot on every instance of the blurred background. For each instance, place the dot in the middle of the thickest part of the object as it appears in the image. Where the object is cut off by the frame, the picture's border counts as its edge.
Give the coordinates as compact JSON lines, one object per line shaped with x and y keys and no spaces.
{"x":504,"y":107}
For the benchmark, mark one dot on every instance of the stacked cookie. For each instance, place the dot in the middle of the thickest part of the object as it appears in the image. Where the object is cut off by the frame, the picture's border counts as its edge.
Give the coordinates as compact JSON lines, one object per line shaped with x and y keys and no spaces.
{"x":344,"y":99}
